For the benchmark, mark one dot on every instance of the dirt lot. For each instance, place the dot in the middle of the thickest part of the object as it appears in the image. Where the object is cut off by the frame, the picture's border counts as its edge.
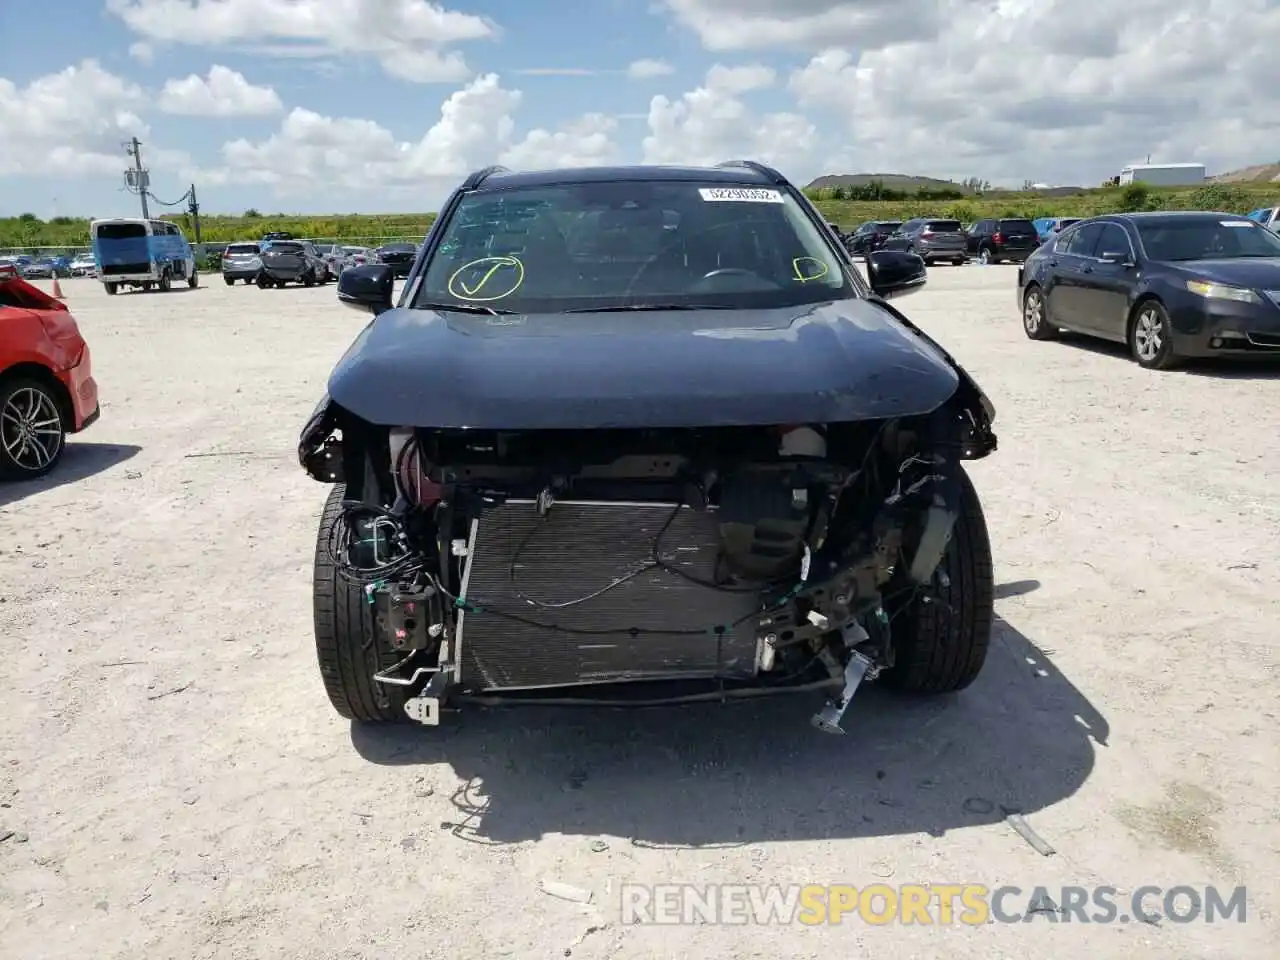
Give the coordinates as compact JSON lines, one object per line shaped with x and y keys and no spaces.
{"x":180,"y":787}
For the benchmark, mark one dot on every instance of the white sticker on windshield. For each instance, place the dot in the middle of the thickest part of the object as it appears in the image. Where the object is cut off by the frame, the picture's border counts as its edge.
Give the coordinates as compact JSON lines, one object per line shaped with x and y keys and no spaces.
{"x":739,"y":195}
{"x":1236,"y":223}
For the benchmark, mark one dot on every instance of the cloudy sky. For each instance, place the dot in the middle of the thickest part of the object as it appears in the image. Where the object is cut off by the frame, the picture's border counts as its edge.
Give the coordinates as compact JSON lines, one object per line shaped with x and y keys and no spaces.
{"x":382,"y":105}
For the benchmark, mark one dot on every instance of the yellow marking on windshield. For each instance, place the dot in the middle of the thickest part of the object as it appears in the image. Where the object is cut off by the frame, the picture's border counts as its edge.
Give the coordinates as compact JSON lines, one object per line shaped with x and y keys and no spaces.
{"x":808,"y":269}
{"x":482,"y":278}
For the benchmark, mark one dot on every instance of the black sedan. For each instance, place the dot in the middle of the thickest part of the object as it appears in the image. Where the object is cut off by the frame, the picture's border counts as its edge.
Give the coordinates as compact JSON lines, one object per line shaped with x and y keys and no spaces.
{"x":1169,"y":285}
{"x":398,"y":256}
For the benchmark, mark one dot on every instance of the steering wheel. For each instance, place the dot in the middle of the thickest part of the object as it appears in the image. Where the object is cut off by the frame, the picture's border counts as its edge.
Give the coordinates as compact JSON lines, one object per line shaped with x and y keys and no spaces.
{"x":730,"y":272}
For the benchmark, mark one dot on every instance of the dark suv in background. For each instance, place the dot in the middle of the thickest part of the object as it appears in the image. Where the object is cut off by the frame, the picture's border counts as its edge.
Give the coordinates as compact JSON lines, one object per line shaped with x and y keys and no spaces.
{"x":930,"y":238}
{"x":871,"y":236}
{"x":994,"y":240}
{"x":291,"y":261}
{"x":398,"y":256}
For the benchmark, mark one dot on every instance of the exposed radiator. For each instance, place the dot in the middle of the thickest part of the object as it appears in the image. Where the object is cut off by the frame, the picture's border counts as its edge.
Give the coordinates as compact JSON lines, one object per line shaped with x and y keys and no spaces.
{"x":576,"y":551}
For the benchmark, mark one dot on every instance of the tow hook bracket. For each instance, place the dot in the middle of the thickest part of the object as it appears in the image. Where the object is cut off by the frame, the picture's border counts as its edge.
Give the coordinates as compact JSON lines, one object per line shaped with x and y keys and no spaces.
{"x":425,"y":707}
{"x":860,"y":667}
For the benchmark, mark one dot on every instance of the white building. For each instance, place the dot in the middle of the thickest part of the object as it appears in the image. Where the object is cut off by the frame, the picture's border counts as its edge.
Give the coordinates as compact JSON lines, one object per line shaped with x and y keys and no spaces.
{"x":1164,"y":174}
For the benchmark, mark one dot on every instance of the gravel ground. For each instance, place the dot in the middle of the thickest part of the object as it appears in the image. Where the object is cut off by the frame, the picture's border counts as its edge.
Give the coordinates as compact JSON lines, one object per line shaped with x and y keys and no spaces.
{"x":179,"y":787}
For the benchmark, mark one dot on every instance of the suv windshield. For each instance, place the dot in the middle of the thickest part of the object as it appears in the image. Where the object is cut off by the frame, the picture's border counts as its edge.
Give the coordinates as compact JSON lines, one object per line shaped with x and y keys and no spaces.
{"x":632,"y":244}
{"x":1207,"y":239}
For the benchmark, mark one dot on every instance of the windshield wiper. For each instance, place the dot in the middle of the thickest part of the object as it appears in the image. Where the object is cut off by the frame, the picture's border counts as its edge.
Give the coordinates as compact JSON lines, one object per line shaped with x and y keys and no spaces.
{"x":462,"y":308}
{"x":649,"y":306}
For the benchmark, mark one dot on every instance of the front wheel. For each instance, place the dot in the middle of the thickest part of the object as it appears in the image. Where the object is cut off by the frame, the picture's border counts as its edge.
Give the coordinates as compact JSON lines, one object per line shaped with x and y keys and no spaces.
{"x":193,"y":281}
{"x":1035,"y":323}
{"x":984,"y":256}
{"x":230,"y":282}
{"x":111,"y":289}
{"x":1150,"y":338}
{"x":32,"y":432}
{"x":348,"y":647}
{"x":941,"y":641}
{"x":165,"y":282}
{"x":309,"y":279}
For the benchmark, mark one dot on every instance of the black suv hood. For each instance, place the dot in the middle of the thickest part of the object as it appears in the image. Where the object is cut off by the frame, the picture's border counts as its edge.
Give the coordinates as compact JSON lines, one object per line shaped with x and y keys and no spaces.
{"x":848,"y":360}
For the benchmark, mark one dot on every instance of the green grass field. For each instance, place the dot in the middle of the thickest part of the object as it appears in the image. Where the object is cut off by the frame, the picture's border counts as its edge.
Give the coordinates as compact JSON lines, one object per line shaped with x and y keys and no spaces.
{"x":28,"y":233}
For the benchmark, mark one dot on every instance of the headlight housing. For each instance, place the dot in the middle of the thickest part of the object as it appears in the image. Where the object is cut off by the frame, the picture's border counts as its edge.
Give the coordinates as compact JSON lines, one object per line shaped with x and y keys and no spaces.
{"x":1219,"y":291}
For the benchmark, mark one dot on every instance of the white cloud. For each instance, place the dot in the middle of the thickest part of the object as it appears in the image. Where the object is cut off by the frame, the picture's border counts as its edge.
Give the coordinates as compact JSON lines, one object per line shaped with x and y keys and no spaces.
{"x":409,"y":38}
{"x":142,"y":51}
{"x":70,"y":123}
{"x":648,"y":69}
{"x":712,"y":124}
{"x":585,"y":142}
{"x":224,"y":93}
{"x":809,"y":24}
{"x":1014,"y":89}
{"x":359,"y":155}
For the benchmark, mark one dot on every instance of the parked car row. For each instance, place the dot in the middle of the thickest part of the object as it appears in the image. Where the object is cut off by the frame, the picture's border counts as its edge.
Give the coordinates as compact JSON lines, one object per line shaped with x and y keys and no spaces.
{"x":279,"y":259}
{"x":935,"y":239}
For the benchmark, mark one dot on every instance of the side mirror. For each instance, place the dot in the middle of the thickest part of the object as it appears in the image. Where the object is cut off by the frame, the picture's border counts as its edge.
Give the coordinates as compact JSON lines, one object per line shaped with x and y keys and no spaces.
{"x":368,"y":287}
{"x":1116,"y":256}
{"x":893,"y":273}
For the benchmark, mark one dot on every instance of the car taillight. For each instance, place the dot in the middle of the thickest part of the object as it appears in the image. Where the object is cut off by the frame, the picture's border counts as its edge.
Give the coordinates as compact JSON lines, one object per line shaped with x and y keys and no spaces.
{"x":926,"y":233}
{"x":998,"y":238}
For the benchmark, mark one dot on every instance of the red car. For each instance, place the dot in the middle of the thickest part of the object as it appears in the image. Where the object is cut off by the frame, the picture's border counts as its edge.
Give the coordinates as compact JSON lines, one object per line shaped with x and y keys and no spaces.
{"x":47,"y":388}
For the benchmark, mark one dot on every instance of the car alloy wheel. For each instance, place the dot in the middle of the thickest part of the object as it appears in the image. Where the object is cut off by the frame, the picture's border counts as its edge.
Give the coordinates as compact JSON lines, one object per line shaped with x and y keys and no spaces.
{"x":31,"y":431}
{"x":984,"y":256}
{"x":1149,"y":339}
{"x":1033,"y":313}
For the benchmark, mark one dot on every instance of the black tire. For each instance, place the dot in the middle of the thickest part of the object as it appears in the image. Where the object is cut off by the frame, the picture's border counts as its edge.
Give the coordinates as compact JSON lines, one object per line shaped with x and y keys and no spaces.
{"x":229,"y":281}
{"x":941,"y":645}
{"x":263,"y":282}
{"x":309,"y":279}
{"x":111,"y":289}
{"x":248,"y":280}
{"x":1162,"y":357}
{"x":958,"y":261}
{"x":37,"y":401}
{"x":1035,"y":319}
{"x":165,"y":282}
{"x":348,"y":647}
{"x":193,"y":281}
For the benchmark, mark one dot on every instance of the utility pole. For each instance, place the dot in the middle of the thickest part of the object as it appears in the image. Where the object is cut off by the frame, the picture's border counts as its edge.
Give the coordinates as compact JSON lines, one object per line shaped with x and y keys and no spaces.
{"x":138,"y":178}
{"x":194,"y":209}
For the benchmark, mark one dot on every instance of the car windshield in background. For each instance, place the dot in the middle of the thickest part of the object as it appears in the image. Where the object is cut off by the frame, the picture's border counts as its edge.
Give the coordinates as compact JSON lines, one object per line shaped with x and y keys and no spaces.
{"x":888,"y":225}
{"x":283,"y":246}
{"x":632,"y":245}
{"x":1219,"y":238}
{"x":1017,"y":226}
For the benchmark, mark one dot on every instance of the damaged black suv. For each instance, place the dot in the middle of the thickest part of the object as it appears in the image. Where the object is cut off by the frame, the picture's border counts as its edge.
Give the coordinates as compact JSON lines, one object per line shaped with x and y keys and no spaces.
{"x":643,"y":435}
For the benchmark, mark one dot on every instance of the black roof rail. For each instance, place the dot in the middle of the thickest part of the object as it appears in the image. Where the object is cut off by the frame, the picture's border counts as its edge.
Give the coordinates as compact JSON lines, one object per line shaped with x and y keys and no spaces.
{"x":770,"y":174}
{"x":480,"y":176}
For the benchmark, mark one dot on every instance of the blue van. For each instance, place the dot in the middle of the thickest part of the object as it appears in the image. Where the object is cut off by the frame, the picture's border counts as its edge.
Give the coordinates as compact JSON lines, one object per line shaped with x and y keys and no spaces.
{"x":146,"y":254}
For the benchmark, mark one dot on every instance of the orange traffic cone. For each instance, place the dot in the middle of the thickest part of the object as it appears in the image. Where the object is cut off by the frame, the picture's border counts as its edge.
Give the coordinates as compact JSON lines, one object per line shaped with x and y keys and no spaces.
{"x":57,"y":288}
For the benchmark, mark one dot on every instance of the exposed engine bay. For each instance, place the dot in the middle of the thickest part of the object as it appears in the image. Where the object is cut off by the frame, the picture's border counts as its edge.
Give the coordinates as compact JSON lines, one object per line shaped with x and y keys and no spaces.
{"x":650,"y":565}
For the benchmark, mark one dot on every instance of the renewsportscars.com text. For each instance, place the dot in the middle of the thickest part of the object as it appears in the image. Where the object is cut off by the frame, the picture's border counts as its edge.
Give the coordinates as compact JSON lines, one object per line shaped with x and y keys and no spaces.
{"x":926,"y":904}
